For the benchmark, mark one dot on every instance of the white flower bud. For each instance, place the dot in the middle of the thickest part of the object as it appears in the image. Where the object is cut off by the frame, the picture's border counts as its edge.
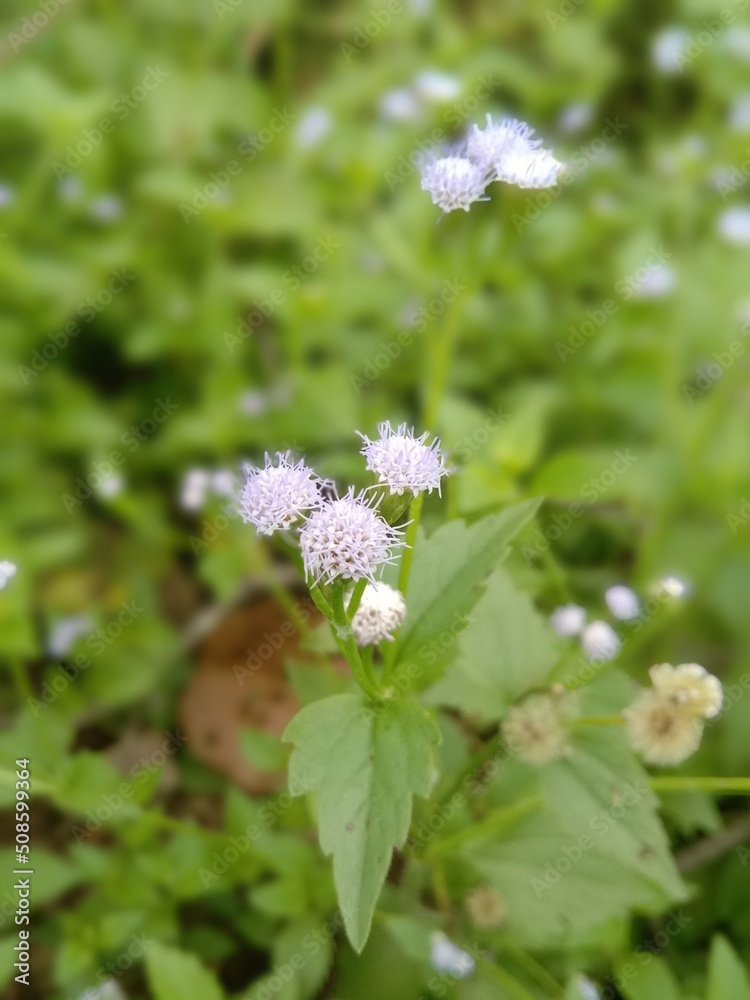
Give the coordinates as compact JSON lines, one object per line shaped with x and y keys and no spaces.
{"x":568,"y":620}
{"x":445,"y":956}
{"x":380,"y":613}
{"x":600,"y":642}
{"x":622,"y":602}
{"x":535,"y":731}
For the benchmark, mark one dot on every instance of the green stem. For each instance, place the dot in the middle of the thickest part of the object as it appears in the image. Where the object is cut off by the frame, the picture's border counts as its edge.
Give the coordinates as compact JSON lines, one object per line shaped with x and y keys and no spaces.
{"x":477,"y":760}
{"x":510,"y":984}
{"x":597,"y":720}
{"x":355,"y":599}
{"x":688,"y":783}
{"x":415,"y":512}
{"x":530,"y":965}
{"x":498,"y":821}
{"x":443,"y":345}
{"x":347,"y":644}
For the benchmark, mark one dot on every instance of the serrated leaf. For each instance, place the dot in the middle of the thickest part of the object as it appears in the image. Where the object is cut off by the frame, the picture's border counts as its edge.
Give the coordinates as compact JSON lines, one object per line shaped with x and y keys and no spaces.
{"x":364,"y":762}
{"x":645,"y":976}
{"x":727,"y":977}
{"x":174,"y":974}
{"x":506,"y":651}
{"x":446,"y":581}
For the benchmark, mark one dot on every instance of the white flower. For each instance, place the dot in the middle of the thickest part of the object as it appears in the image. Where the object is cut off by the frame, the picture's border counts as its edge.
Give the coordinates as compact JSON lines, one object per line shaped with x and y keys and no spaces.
{"x":107,"y":208}
{"x":278,"y":495}
{"x":346,"y":539}
{"x":65,"y":633}
{"x":313,"y":127}
{"x":667,"y":49}
{"x":575,"y":117}
{"x":6,"y":195}
{"x":535,"y":731}
{"x":568,"y":620}
{"x":622,"y":602}
{"x":734,"y":225}
{"x":194,"y":489}
{"x":403,"y":462}
{"x":486,"y":907}
{"x":656,"y":283}
{"x":223,"y":483}
{"x":600,"y":641}
{"x":508,"y":153}
{"x":454,"y":182}
{"x":400,"y":105}
{"x":112,"y":486}
{"x":445,"y":956}
{"x":690,"y":685}
{"x":433,"y":85}
{"x":380,"y":613}
{"x":672,"y":586}
{"x":661,"y":730}
{"x":7,"y":572}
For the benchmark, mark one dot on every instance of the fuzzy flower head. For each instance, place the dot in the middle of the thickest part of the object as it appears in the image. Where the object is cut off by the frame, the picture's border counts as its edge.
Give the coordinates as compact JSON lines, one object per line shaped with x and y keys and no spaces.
{"x":403,"y":462}
{"x":278,"y":495}
{"x":535,"y":730}
{"x":454,"y":182}
{"x":661,"y":730}
{"x":347,"y":539}
{"x":381,"y":612}
{"x":486,"y":907}
{"x":508,"y":153}
{"x":622,"y":602}
{"x":445,"y":956}
{"x":568,"y":620}
{"x":691,"y":686}
{"x":600,"y":642}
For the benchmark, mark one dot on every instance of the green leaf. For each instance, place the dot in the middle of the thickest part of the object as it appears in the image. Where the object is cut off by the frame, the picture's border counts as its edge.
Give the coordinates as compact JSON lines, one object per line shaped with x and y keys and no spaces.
{"x":645,"y":976}
{"x":446,"y":580}
{"x":365,"y":762}
{"x":727,"y":977}
{"x":506,"y":651}
{"x":601,"y":792}
{"x":263,"y":750}
{"x":174,"y":974}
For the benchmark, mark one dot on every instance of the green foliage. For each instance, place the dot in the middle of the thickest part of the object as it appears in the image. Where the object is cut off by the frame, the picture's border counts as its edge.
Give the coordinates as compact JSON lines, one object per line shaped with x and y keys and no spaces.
{"x":173,"y":974}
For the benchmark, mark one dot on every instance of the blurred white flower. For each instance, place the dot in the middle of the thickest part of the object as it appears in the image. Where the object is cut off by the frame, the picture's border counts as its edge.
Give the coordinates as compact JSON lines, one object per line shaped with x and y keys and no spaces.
{"x":586,"y":988}
{"x":672,"y":586}
{"x":380,"y":613}
{"x":278,"y":495}
{"x":691,"y":685}
{"x":739,"y":113}
{"x":223,"y":483}
{"x":667,"y":47}
{"x":656,"y":283}
{"x":107,"y":208}
{"x":622,"y":602}
{"x":737,"y":40}
{"x":435,"y":86}
{"x":400,"y":105}
{"x":575,"y":117}
{"x":109,"y":990}
{"x":535,"y":730}
{"x":347,"y":539}
{"x":403,"y":462}
{"x":6,"y":195}
{"x":112,"y":486}
{"x":313,"y":127}
{"x":600,"y":642}
{"x":445,"y":956}
{"x":568,"y":620}
{"x":7,"y":572}
{"x":71,"y":188}
{"x":65,"y":632}
{"x":194,"y":489}
{"x":734,"y":225}
{"x":507,"y":152}
{"x":454,"y":182}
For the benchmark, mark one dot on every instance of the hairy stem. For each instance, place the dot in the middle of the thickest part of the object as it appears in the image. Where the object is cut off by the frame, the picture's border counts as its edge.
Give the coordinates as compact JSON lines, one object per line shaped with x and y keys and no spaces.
{"x":345,"y":638}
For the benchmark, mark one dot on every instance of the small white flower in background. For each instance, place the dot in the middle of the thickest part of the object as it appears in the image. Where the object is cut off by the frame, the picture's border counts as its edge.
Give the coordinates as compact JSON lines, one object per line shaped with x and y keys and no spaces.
{"x":194,"y":489}
{"x":381,"y":612}
{"x":734,"y":225}
{"x":107,"y":208}
{"x":600,"y":641}
{"x":507,"y":152}
{"x":6,"y":195}
{"x":223,"y":483}
{"x":454,"y":182}
{"x":568,"y":620}
{"x":737,"y":40}
{"x":660,"y":729}
{"x":586,"y":988}
{"x":575,"y":117}
{"x":445,"y":956}
{"x":278,"y":495}
{"x":7,"y":572}
{"x":435,"y":86}
{"x":109,"y":990}
{"x":667,"y":47}
{"x":403,"y":462}
{"x":313,"y":127}
{"x":672,"y":586}
{"x":70,"y":188}
{"x":691,"y":685}
{"x":400,"y":105}
{"x":657,"y":283}
{"x":622,"y":602}
{"x":65,"y":632}
{"x":739,"y":113}
{"x":112,"y":486}
{"x":535,"y":730}
{"x":346,"y":539}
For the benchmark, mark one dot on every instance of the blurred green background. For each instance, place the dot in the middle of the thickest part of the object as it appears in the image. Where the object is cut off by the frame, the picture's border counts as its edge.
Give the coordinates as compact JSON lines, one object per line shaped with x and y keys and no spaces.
{"x":213,"y":243}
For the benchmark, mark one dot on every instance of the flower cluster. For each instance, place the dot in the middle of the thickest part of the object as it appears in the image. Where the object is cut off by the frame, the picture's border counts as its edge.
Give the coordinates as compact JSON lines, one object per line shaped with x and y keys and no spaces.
{"x":503,"y":151}
{"x":381,"y":612}
{"x":665,"y":722}
{"x":599,"y":640}
{"x":536,"y":729}
{"x":347,"y":537}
